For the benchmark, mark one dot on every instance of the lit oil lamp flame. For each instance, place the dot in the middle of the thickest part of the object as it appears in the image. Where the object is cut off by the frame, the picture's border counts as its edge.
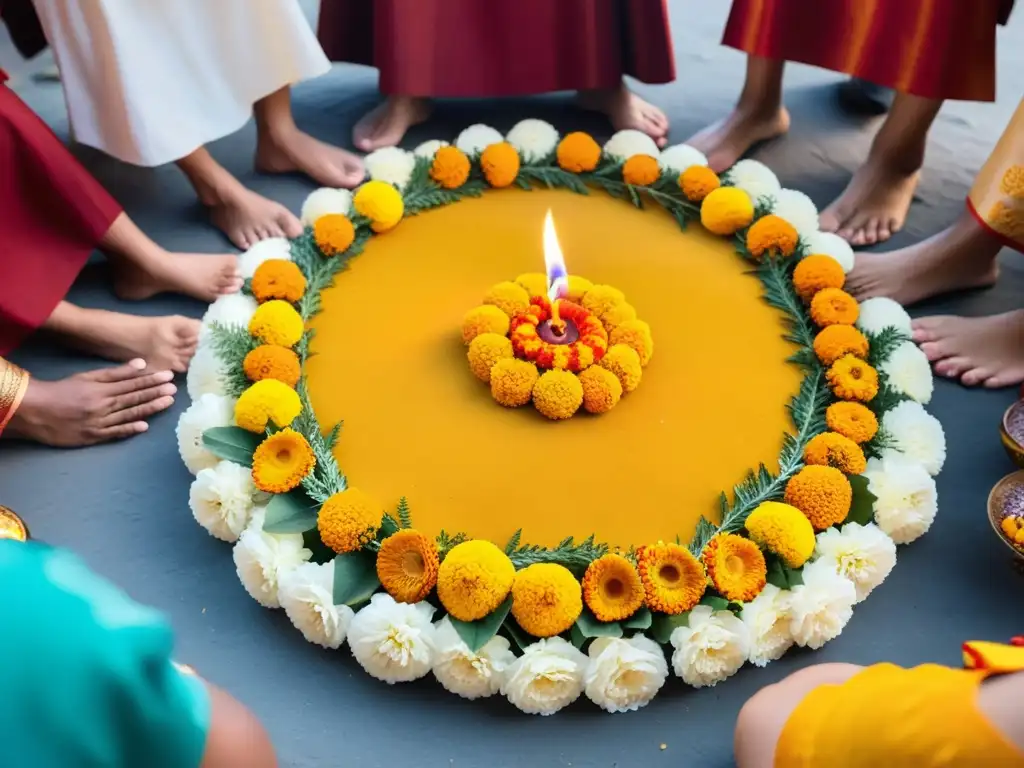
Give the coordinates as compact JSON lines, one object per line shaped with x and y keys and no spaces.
{"x":558,"y":277}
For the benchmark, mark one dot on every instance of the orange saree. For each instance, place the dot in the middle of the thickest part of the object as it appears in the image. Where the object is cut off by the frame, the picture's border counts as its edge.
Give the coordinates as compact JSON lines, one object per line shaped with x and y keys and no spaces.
{"x":997,"y":197}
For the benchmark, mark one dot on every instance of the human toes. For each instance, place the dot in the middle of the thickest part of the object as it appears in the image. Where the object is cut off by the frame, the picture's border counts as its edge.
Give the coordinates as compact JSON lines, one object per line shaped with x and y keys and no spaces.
{"x":288,"y":224}
{"x":926,"y":329}
{"x":975,"y":376}
{"x":952,"y":367}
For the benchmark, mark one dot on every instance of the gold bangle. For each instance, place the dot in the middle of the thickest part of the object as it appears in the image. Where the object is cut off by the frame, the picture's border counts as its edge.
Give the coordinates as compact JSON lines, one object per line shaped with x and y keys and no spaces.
{"x":13,"y":383}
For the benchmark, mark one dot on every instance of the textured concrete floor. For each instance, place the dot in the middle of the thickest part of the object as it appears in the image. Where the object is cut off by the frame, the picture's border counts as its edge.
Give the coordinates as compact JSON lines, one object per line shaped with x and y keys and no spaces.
{"x":124,"y":507}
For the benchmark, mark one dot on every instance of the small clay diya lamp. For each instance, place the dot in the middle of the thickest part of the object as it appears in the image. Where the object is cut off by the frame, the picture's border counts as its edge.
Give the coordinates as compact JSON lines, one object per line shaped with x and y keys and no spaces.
{"x":12,"y":526}
{"x":1011,"y":432}
{"x":1006,"y":511}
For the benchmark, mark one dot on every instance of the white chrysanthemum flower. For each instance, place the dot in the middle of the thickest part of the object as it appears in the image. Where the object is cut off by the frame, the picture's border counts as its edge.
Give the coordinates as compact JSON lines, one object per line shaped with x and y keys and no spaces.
{"x":393,"y":641}
{"x":324,"y":201}
{"x":909,"y":372}
{"x":429,"y":148}
{"x":916,"y":434}
{"x":830,"y":244}
{"x":880,"y":313}
{"x":713,"y":647}
{"x":205,"y":374}
{"x":222,"y":499}
{"x":821,"y":607}
{"x":261,"y":558}
{"x":477,"y":138}
{"x":207,"y":412}
{"x":679,"y":157}
{"x":234,"y":309}
{"x":768,"y":623}
{"x":906,"y":497}
{"x":391,"y":165}
{"x":533,"y":139}
{"x":624,"y":144}
{"x":624,"y":675}
{"x":861,"y":553}
{"x":467,"y":674}
{"x":264,"y":250}
{"x":798,"y":209}
{"x":546,"y":678}
{"x":306,"y":592}
{"x":754,"y":178}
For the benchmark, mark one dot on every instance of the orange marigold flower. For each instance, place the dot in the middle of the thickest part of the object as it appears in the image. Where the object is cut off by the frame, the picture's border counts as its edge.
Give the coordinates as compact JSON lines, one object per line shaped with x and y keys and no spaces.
{"x":334,"y":233}
{"x":278,"y":279}
{"x":697,"y":182}
{"x":486,"y":318}
{"x":641,"y":170}
{"x":830,"y":449}
{"x":281,"y":461}
{"x":853,"y":379}
{"x":578,"y":152}
{"x":407,"y":565}
{"x":816,"y":273}
{"x":546,"y":599}
{"x":270,"y":361}
{"x":534,"y":283}
{"x":852,"y":420}
{"x":617,"y":315}
{"x":484,"y":351}
{"x":349,"y":520}
{"x":823,"y":494}
{"x":601,"y":298}
{"x":624,"y":362}
{"x":601,"y":389}
{"x":558,"y":394}
{"x":726,"y":210}
{"x":450,"y":167}
{"x":612,"y":588}
{"x":735,"y":566}
{"x":635,"y":334}
{"x":773,"y":236}
{"x":474,"y":579}
{"x":512,"y":382}
{"x":500,"y":164}
{"x":834,"y":306}
{"x":836,"y":341}
{"x":509,"y":297}
{"x":674,"y":580}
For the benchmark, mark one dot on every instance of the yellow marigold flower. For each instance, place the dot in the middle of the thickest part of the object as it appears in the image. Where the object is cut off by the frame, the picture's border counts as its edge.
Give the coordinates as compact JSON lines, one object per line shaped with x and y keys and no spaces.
{"x":817,"y":273}
{"x":484,"y":319}
{"x":635,"y":334}
{"x":836,"y":341}
{"x":281,"y":461}
{"x":834,"y":306}
{"x":735,"y":566}
{"x":726,"y":210}
{"x":450,"y":168}
{"x":510,"y":298}
{"x":407,"y":565}
{"x":1010,"y":527}
{"x":697,"y":182}
{"x":852,"y":420}
{"x":1012,"y":183}
{"x":674,"y":580}
{"x":264,"y":402}
{"x":783,"y":530}
{"x":578,"y":287}
{"x":830,"y":449}
{"x":578,"y":152}
{"x":853,"y":379}
{"x":484,"y":351}
{"x":500,"y":164}
{"x":381,"y":203}
{"x":624,"y":362}
{"x":601,"y":389}
{"x":641,"y":170}
{"x":277,"y":322}
{"x":601,"y":298}
{"x":823,"y":494}
{"x":620,"y":313}
{"x":558,"y":394}
{"x":474,"y":579}
{"x":349,"y":520}
{"x":512,"y":382}
{"x":269,"y":361}
{"x":772,"y":235}
{"x":612,"y":588}
{"x":534,"y":283}
{"x":278,"y":279}
{"x":546,"y":599}
{"x":334,"y":233}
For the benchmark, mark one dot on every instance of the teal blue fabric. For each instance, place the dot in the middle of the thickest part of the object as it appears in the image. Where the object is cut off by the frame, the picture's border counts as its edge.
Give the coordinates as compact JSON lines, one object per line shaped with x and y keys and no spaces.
{"x":86,"y":677}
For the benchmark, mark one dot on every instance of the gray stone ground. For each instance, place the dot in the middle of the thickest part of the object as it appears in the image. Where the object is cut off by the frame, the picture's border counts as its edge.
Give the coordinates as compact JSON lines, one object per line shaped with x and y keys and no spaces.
{"x":123,"y":507}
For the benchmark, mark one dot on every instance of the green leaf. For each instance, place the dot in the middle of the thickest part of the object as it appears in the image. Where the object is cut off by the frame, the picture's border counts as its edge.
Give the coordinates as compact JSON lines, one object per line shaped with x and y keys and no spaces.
{"x":639,"y":620}
{"x":663,"y":625}
{"x":355,"y":578}
{"x":477,"y":633}
{"x":321,"y":552}
{"x":781,"y":576}
{"x":292,"y":512}
{"x":590,"y":626}
{"x":517,"y":634}
{"x":232,"y":443}
{"x":704,"y":533}
{"x":403,"y":513}
{"x":388,"y":527}
{"x":862,"y":509}
{"x":576,"y":637}
{"x":513,"y":543}
{"x":715,"y":603}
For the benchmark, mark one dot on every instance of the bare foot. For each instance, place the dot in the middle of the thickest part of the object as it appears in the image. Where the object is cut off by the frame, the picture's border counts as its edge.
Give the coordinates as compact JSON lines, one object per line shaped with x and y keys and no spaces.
{"x":874,"y":204}
{"x":986,"y":351}
{"x":628,"y":111}
{"x":728,"y":140}
{"x":387,"y":123}
{"x":246,"y":218}
{"x":294,"y":150}
{"x":202,"y":276}
{"x":93,"y":407}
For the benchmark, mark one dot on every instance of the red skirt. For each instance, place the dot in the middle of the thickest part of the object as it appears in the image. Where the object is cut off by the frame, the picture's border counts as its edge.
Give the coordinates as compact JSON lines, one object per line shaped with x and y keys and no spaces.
{"x":54,"y":215}
{"x":937,"y":49}
{"x":487,"y":48}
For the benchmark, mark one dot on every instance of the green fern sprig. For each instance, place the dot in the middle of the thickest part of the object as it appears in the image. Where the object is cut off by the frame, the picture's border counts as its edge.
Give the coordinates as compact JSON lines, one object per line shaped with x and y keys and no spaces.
{"x":553,"y":177}
{"x":883,"y":344}
{"x":779,"y":293}
{"x":706,"y":531}
{"x":574,"y":556}
{"x":446,"y":542}
{"x":326,"y":478}
{"x":403,"y":514}
{"x":231,"y":343}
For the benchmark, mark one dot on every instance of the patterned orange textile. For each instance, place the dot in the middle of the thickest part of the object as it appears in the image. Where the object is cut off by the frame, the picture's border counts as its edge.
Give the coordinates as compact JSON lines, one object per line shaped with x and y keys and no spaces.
{"x":997,"y":197}
{"x":938,"y":49}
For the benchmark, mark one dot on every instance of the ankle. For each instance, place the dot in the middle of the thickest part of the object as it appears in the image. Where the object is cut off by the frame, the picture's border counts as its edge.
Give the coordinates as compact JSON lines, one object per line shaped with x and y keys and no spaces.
{"x":903,"y":155}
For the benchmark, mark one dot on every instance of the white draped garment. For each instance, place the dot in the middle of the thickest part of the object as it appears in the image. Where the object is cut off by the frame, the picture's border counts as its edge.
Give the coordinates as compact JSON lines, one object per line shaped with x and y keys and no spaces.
{"x":150,"y":81}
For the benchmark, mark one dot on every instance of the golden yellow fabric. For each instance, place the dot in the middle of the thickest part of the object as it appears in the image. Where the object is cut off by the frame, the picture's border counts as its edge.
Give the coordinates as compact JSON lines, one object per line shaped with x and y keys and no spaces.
{"x":997,"y":197}
{"x":13,"y":383}
{"x":389,"y":360}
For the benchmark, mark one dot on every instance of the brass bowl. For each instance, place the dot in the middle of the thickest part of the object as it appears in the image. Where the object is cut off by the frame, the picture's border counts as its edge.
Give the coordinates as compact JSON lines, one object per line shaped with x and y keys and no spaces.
{"x":1013,"y":449}
{"x":997,"y":507}
{"x":12,"y":526}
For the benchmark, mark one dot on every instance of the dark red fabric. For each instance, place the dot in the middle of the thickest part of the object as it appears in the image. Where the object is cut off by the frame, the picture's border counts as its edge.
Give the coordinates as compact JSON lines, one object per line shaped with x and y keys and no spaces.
{"x":52,"y":216}
{"x":481,"y":48}
{"x":23,"y":24}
